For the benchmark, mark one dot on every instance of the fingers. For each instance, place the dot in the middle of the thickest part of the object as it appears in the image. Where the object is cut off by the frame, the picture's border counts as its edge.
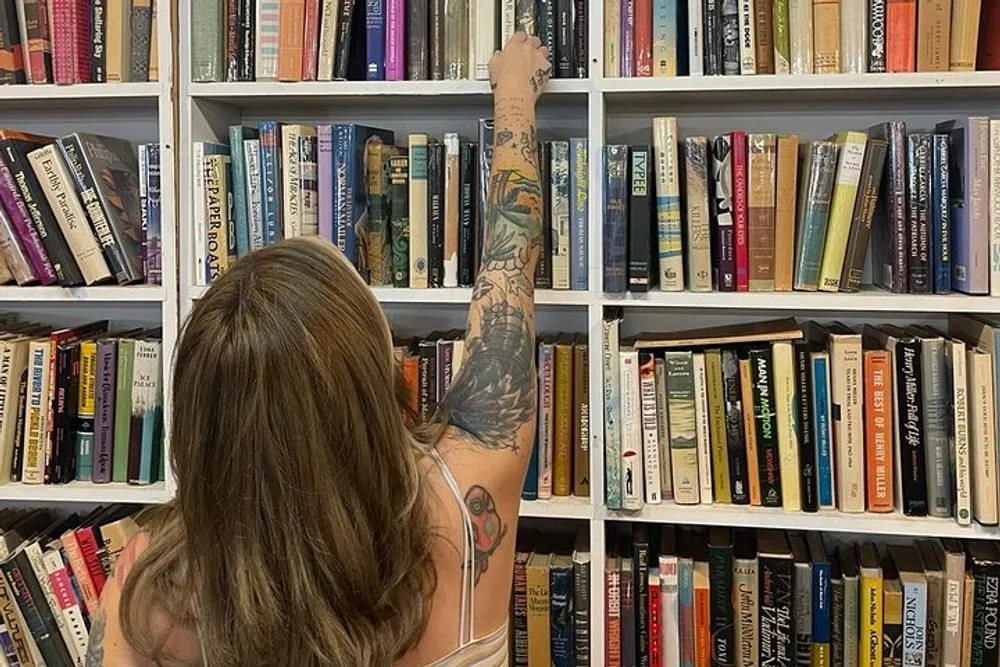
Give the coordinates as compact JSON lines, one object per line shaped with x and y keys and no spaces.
{"x":534,"y":42}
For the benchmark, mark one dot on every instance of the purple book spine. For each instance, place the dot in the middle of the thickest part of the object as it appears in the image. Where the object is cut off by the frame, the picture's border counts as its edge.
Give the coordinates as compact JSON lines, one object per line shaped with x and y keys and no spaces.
{"x":324,"y":166}
{"x":395,"y":40}
{"x":977,"y":192}
{"x":19,"y":217}
{"x":628,"y":38}
{"x":104,"y":410}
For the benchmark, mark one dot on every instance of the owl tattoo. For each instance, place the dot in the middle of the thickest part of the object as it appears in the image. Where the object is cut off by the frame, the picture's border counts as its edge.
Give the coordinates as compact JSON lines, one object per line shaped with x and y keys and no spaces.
{"x":487,"y":528}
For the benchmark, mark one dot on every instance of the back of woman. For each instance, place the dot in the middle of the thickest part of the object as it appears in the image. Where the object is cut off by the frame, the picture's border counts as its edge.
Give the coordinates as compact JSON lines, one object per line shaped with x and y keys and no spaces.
{"x":312,"y":526}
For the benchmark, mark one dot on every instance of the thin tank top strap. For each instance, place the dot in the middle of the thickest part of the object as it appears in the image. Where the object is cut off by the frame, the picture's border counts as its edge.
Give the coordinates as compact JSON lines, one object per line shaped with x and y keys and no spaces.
{"x":466,"y":631}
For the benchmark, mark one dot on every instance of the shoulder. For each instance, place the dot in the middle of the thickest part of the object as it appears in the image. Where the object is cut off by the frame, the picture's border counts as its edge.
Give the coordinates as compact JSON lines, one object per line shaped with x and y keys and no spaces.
{"x":129,"y":555}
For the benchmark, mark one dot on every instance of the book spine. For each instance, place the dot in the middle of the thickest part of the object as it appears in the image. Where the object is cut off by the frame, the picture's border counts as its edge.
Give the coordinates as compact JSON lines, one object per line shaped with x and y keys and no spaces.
{"x":782,"y":46}
{"x":629,"y":615}
{"x":631,"y":432}
{"x":696,"y":37}
{"x":910,"y":415}
{"x":562,"y":431}
{"x":820,"y":612}
{"x":994,"y":205}
{"x":768,"y":459}
{"x":640,"y":262}
{"x":918,"y":171}
{"x":985,"y":606}
{"x":933,"y":33}
{"x":803,"y":611}
{"x":748,"y":38}
{"x":761,"y":168}
{"x":483,"y":179}
{"x":683,"y":429}
{"x":650,"y":433}
{"x":375,"y":42}
{"x":878,"y":430}
{"x":612,"y":413}
{"x":740,"y":214}
{"x":784,"y":385}
{"x":786,"y":169}
{"x":702,"y":430}
{"x":418,"y":211}
{"x":26,"y":233}
{"x":826,"y":36}
{"x":581,"y":419}
{"x":775,"y":590}
{"x":547,"y":25}
{"x":270,"y":147}
{"x":956,"y":367}
{"x":964,"y":40}
{"x":734,"y":428}
{"x":399,"y":184}
{"x":685,"y":587}
{"x":699,"y":236}
{"x":804,"y":429}
{"x":435,"y":214}
{"x":670,"y":242}
{"x":466,"y":214}
{"x":13,"y":253}
{"x":578,"y":195}
{"x":822,"y":426}
{"x":730,"y":33}
{"x":38,"y":618}
{"x":643,"y":38}
{"x":417,"y":40}
{"x":846,"y":379}
{"x":627,"y":50}
{"x":744,"y":582}
{"x":663,"y":428}
{"x":877,"y":29}
{"x":938,"y":421}
{"x":764,"y":35}
{"x":800,"y":35}
{"x":819,"y":170}
{"x":845,"y":190}
{"x":864,"y":212}
{"x":722,"y":211}
{"x":719,"y":468}
{"x":640,"y":571}
{"x":853,"y":36}
{"x":750,"y":431}
{"x":664,"y":38}
{"x":561,"y":615}
{"x":612,"y":37}
{"x":62,"y":15}
{"x":891,"y":245}
{"x":560,"y":204}
{"x":612,"y":588}
{"x":581,"y":49}
{"x":712,"y":18}
{"x":543,"y":270}
{"x":616,"y":218}
{"x":954,"y":585}
{"x":720,"y":564}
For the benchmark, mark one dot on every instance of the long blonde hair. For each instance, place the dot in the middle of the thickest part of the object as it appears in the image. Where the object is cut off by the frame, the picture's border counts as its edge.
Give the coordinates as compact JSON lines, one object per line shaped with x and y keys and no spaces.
{"x":300,"y":534}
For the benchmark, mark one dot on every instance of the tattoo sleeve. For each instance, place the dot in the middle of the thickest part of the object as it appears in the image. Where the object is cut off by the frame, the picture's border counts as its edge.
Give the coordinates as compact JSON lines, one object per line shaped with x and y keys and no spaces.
{"x":95,"y":644}
{"x":493,"y":398}
{"x":488,"y":530}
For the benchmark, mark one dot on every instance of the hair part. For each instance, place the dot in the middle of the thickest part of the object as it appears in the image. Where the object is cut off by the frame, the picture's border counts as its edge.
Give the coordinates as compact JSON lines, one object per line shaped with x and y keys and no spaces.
{"x":301,"y":499}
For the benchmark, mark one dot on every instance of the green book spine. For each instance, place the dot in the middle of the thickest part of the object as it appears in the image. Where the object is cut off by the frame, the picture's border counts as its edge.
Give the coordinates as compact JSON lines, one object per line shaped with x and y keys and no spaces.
{"x":123,"y":410}
{"x":782,"y":48}
{"x":207,"y":35}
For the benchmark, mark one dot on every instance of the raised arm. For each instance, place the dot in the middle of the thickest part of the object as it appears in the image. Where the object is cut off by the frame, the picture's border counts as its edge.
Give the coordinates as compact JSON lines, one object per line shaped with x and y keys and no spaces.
{"x":492,"y":401}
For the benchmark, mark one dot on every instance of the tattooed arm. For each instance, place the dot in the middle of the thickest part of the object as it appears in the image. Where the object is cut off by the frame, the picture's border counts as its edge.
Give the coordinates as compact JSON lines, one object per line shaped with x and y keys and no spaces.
{"x":492,"y":401}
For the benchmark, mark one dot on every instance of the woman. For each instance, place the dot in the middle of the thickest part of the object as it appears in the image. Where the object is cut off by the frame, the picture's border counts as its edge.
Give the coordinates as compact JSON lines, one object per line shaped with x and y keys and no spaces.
{"x":311,"y":527}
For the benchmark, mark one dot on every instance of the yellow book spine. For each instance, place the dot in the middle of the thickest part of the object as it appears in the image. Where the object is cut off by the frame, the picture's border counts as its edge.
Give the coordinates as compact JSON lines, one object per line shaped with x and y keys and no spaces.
{"x":845,"y":191}
{"x":562,"y":460}
{"x":784,"y":214}
{"x":964,"y":35}
{"x":870,"y":645}
{"x":721,"y":489}
{"x":538,"y":611}
{"x":114,"y":40}
{"x":749,"y":431}
{"x":788,"y":440}
{"x":216,"y":208}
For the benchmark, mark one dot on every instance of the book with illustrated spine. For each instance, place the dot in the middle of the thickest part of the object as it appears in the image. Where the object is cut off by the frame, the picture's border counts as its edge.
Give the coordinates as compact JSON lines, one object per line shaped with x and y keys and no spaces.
{"x":668,"y":205}
{"x":698,"y":227}
{"x":683,"y":426}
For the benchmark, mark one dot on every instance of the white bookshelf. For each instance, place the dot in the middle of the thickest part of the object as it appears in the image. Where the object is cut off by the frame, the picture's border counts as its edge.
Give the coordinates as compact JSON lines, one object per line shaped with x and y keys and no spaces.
{"x":620,"y":111}
{"x":141,"y":113}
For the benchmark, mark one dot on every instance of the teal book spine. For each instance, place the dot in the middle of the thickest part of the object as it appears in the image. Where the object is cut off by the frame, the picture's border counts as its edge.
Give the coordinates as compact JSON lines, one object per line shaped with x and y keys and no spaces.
{"x":685,"y":589}
{"x":664,"y":38}
{"x":813,"y":212}
{"x":237,"y":133}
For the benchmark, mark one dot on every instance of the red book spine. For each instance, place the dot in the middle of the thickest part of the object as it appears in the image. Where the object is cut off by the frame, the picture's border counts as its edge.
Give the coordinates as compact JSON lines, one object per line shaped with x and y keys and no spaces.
{"x":644,"y":37}
{"x":901,"y":36}
{"x":232,"y":41}
{"x":39,"y":47}
{"x":81,"y":40}
{"x":88,"y":547}
{"x":740,"y":221}
{"x":989,"y":37}
{"x":63,"y":46}
{"x":613,"y":619}
{"x":310,"y":41}
{"x":655,"y":623}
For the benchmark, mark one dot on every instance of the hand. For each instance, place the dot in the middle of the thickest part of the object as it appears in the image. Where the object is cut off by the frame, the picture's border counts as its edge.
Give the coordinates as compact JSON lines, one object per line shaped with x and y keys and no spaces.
{"x":522,"y":68}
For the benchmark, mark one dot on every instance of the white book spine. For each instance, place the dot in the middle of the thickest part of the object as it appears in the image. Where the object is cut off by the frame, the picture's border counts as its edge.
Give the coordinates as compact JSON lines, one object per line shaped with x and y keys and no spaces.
{"x":291,"y":218}
{"x":695,"y":37}
{"x":546,"y":424}
{"x":984,"y":445}
{"x":650,"y":431}
{"x":612,"y":413}
{"x":34,"y":553}
{"x":612,"y":38}
{"x":670,"y":612}
{"x":328,"y":39}
{"x":631,"y":459}
{"x":853,"y":36}
{"x":33,"y":464}
{"x":663,"y":429}
{"x":954,"y":597}
{"x":485,"y":38}
{"x":748,"y":38}
{"x":800,"y":32}
{"x":669,"y":233}
{"x":198,"y":210}
{"x":788,"y":440}
{"x":266,"y":38}
{"x":508,"y":20}
{"x":703,"y":429}
{"x":58,"y":578}
{"x":915,"y":623}
{"x":451,"y":193}
{"x":955,"y":355}
{"x":560,"y":215}
{"x":849,"y":437}
{"x":251,"y":150}
{"x":994,"y":207}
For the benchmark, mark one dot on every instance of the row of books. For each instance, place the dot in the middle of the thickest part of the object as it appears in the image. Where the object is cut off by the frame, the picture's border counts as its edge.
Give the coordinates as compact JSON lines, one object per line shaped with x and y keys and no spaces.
{"x":805,"y":418}
{"x":665,"y":38}
{"x":377,"y":40}
{"x":760,"y":212}
{"x":550,"y":602}
{"x":65,"y":42}
{"x":54,"y":569}
{"x":80,"y":404}
{"x":677,"y":596}
{"x":560,"y":459}
{"x":405,"y":216}
{"x":80,"y":210}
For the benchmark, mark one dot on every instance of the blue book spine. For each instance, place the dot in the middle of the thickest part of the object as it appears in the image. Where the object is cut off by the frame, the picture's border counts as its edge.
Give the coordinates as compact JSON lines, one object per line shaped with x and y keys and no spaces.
{"x":578,"y":194}
{"x":239,"y":190}
{"x":341,"y":202}
{"x":154,"y":230}
{"x":561,"y":616}
{"x":685,"y":609}
{"x":530,"y":490}
{"x":821,"y":603}
{"x":375,"y":45}
{"x":941,"y":215}
{"x":231,"y":249}
{"x":821,"y":422}
{"x":615,"y":218}
{"x":270,"y":181}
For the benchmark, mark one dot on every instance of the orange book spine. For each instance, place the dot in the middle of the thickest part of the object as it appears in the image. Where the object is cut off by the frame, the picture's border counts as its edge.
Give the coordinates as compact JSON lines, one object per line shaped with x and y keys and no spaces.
{"x":878,"y":430}
{"x":411,"y":378}
{"x":91,"y":599}
{"x":702,"y":626}
{"x":901,"y":36}
{"x":933,"y":36}
{"x":644,"y":37}
{"x":291,"y":19}
{"x":749,"y":431}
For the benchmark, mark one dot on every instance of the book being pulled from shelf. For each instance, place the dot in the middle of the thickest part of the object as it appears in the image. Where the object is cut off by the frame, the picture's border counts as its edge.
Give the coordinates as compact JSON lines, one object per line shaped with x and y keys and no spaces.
{"x":80,"y":404}
{"x":377,"y":40}
{"x":879,"y":419}
{"x":767,"y":212}
{"x":665,"y":38}
{"x":560,"y":459}
{"x":66,"y":42}
{"x":406,"y":216}
{"x":767,"y":597}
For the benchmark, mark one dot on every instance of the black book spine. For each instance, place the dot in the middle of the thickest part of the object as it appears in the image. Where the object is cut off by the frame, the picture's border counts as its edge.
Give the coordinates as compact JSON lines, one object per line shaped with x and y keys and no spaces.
{"x":639,"y":273}
{"x":776,"y":623}
{"x":863,"y":216}
{"x":18,"y":454}
{"x":876,"y":36}
{"x":730,"y":30}
{"x":764,"y":420}
{"x":233,"y":18}
{"x":581,"y":54}
{"x":722,"y":213}
{"x":735,"y":438}
{"x":60,"y":412}
{"x":467,"y":153}
{"x":986,"y":611}
{"x":581,"y":613}
{"x":35,"y":610}
{"x":519,"y":612}
{"x":615,"y":219}
{"x":416,"y":40}
{"x":246,"y":46}
{"x":436,"y":42}
{"x":10,"y":34}
{"x":911,"y":424}
{"x":543,"y":270}
{"x":918,"y":156}
{"x":628,"y":618}
{"x":343,"y":55}
{"x":720,"y":569}
{"x":640,"y":571}
{"x":72,"y":421}
{"x":428,"y":378}
{"x":98,"y":38}
{"x":564,"y":39}
{"x":67,"y":272}
{"x":547,"y":24}
{"x":435,"y":214}
{"x":836,"y":620}
{"x":713,"y":36}
{"x":399,"y":182}
{"x":891,"y":248}
{"x":804,"y":427}
{"x":941,"y":213}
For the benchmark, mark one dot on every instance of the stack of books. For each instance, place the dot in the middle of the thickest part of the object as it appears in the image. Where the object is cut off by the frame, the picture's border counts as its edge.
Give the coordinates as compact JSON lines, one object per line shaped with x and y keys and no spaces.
{"x":80,"y":404}
{"x":66,"y":42}
{"x":766,"y":212}
{"x":664,"y":38}
{"x":550,"y":602}
{"x":765,"y":597}
{"x":805,"y":418}
{"x":406,"y":216}
{"x":54,"y":569}
{"x":377,"y":40}
{"x":560,"y":458}
{"x":80,"y":210}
